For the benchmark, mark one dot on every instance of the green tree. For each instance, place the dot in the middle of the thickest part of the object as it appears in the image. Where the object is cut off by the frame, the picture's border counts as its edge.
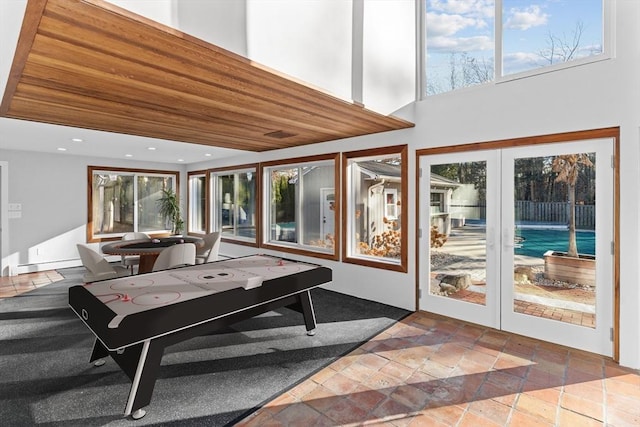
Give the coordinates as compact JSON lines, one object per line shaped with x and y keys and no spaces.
{"x":568,"y":167}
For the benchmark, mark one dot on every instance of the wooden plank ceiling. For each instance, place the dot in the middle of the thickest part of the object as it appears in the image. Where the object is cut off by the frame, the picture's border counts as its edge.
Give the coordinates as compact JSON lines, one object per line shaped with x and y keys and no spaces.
{"x":90,"y":64}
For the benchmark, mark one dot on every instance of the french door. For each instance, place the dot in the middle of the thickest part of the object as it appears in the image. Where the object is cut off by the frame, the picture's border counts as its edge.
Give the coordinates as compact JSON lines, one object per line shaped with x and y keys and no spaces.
{"x":496,"y":232}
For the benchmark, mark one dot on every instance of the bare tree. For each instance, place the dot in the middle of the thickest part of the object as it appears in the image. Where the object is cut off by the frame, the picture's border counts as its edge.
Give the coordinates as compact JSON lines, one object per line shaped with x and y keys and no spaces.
{"x":565,"y":48}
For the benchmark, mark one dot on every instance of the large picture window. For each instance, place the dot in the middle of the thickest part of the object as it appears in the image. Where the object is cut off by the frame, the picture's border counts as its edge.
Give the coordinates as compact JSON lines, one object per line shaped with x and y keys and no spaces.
{"x":375,"y":184}
{"x":125,"y":200}
{"x":301,"y":212}
{"x":235,"y":203}
{"x":493,"y":40}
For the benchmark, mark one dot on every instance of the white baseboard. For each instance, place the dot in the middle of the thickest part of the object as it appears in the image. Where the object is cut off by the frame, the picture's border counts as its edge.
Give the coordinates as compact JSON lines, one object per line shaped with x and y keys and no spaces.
{"x":52,"y":265}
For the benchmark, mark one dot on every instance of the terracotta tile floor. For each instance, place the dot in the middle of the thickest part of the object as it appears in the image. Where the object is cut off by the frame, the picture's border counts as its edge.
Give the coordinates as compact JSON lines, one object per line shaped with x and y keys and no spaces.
{"x":429,"y":370}
{"x":15,"y":285}
{"x":433,"y":371}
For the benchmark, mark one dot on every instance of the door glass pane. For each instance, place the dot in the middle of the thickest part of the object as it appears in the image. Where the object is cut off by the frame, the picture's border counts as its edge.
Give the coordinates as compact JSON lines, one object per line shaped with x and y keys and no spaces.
{"x":458,"y":231}
{"x":554,"y":244}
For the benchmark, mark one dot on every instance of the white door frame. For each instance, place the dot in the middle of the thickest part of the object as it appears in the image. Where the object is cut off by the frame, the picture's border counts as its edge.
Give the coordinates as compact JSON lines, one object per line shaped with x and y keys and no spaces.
{"x":598,"y":340}
{"x":489,"y":313}
{"x":4,"y":219}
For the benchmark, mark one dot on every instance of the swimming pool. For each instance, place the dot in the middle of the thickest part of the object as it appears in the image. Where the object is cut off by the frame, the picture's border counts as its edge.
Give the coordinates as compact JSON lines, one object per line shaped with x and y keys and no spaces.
{"x":535,"y":242}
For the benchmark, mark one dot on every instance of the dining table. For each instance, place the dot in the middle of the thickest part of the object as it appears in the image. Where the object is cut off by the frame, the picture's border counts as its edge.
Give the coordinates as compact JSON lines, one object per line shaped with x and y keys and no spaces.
{"x":147,"y":249}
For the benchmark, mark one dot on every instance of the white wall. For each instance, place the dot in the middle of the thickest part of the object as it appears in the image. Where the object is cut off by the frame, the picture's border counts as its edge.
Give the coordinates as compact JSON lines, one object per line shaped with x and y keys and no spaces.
{"x":221,"y":22}
{"x":309,"y":40}
{"x":162,"y":11}
{"x":389,"y":54}
{"x":52,"y":189}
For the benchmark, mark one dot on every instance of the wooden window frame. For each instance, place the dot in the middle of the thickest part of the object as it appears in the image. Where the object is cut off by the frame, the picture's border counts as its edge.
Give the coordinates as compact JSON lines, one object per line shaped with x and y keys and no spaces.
{"x":90,"y":170}
{"x":258,"y":201}
{"x":347,"y":257}
{"x":301,"y":249}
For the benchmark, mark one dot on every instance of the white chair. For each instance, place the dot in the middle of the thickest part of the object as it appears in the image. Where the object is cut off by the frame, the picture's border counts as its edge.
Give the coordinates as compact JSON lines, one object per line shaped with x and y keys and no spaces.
{"x":209,"y":251}
{"x":176,"y":256}
{"x":130,"y":260}
{"x":97,"y":267}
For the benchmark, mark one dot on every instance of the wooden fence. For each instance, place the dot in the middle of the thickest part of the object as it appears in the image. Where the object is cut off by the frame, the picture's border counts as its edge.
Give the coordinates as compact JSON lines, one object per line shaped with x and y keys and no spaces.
{"x":555,"y":212}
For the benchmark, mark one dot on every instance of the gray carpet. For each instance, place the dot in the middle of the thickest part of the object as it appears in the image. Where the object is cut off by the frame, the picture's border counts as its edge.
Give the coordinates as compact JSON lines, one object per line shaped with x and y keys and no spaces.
{"x":214,"y":380}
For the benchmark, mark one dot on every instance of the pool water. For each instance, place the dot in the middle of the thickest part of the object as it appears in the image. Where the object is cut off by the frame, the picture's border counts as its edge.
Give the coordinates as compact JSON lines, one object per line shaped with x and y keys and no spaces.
{"x":535,"y":242}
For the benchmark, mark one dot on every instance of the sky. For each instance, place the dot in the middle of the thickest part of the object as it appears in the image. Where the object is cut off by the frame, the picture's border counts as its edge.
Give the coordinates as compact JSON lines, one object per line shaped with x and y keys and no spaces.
{"x":467,"y":26}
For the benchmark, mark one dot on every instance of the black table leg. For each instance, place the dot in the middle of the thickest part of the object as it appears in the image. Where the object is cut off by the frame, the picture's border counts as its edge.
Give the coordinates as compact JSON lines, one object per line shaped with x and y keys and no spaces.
{"x":144,"y":378}
{"x":141,"y":363}
{"x":99,"y":351}
{"x":304,"y":299}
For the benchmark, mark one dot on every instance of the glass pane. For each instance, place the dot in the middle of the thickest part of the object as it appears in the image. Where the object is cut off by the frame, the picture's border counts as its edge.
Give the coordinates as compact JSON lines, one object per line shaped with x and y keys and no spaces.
{"x":197,"y":199}
{"x":246,"y":202}
{"x":112,"y":203}
{"x":376,"y":196}
{"x":458,"y":231}
{"x":460,"y":44}
{"x":542,"y":33}
{"x":282,"y":219}
{"x":317,"y":201}
{"x":224,"y":203}
{"x":554,"y":255}
{"x":149,"y":192}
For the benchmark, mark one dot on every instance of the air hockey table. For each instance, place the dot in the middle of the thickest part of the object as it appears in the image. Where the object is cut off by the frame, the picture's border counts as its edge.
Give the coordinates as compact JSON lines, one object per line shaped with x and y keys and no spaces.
{"x":134,"y":318}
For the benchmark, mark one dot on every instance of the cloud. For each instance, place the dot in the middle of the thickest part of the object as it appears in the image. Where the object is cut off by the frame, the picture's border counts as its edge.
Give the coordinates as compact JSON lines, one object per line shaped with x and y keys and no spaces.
{"x":523,"y":19}
{"x":521,"y":61}
{"x":460,"y":44}
{"x":476,"y":8}
{"x":439,"y":24}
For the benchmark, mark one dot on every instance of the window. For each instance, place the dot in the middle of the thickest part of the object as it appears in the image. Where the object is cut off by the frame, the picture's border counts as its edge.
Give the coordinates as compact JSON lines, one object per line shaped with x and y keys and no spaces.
{"x":301,"y":212}
{"x":437,"y":202}
{"x":197,"y":215}
{"x":235,"y":206}
{"x":459,"y":44}
{"x":375,"y":182}
{"x":532,"y":36}
{"x":125,"y":200}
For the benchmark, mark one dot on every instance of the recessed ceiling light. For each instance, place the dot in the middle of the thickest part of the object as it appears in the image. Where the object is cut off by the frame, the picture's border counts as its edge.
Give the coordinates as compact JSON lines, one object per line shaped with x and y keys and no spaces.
{"x":77,"y":139}
{"x":62,"y":149}
{"x":207,"y":155}
{"x":181,"y":160}
{"x":128,"y":155}
{"x":151,"y":148}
